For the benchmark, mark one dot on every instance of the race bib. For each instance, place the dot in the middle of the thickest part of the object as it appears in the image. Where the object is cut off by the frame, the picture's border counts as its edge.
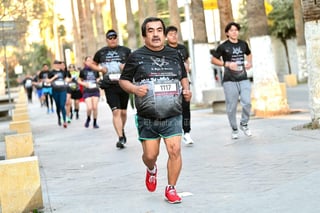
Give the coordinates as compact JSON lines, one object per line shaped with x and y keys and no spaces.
{"x":114,"y":77}
{"x":166,"y":89}
{"x":73,"y":86}
{"x":92,"y":85}
{"x":28,"y":83}
{"x":59,"y":83}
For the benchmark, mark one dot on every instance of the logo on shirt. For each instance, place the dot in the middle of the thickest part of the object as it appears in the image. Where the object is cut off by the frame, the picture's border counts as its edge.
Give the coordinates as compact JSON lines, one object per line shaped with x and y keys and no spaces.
{"x":237,"y":50}
{"x":159,"y":61}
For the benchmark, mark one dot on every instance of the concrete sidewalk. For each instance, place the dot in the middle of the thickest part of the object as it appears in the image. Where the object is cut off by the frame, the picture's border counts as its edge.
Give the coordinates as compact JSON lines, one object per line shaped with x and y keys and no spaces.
{"x":275,"y":170}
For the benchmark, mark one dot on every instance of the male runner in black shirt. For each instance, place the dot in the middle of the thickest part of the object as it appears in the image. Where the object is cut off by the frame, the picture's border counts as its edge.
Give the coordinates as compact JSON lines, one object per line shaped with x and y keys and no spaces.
{"x":236,"y":59}
{"x":172,"y":41}
{"x":111,"y":59}
{"x":156,"y":75}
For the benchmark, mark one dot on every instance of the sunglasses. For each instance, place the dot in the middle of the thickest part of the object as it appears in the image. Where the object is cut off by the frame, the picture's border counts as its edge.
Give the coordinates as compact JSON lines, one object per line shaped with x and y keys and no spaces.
{"x":112,"y":38}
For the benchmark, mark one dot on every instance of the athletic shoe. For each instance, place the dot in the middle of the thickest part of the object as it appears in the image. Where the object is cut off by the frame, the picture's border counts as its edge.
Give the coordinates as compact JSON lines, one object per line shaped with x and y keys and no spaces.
{"x":151,"y":180}
{"x":120,"y":143}
{"x":234,"y":134}
{"x":87,"y":123}
{"x":245,"y":129}
{"x":68,"y":120}
{"x":95,"y":126}
{"x":171,"y":195}
{"x":65,"y":124}
{"x":187,"y":139}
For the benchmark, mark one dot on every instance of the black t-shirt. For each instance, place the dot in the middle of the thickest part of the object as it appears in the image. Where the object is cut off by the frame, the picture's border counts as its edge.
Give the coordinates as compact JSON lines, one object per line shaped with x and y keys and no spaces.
{"x":43,"y":75}
{"x":182,"y":50}
{"x":91,"y":77}
{"x":162,"y":72}
{"x":38,"y":85}
{"x":233,"y":52}
{"x":27,"y":82}
{"x":58,"y":84}
{"x":111,"y":59}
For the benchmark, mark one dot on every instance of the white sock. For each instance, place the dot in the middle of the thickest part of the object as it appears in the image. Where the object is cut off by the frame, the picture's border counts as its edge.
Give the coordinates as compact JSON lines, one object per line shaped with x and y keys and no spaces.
{"x":153,"y":171}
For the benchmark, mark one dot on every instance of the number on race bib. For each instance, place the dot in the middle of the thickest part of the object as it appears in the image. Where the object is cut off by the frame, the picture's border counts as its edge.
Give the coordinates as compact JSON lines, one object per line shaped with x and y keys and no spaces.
{"x":165,"y":89}
{"x":114,"y":77}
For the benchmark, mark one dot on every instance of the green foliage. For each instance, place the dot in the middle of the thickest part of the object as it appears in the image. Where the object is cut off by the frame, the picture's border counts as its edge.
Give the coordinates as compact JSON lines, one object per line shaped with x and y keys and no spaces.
{"x":33,"y":59}
{"x":281,"y":19}
{"x":243,"y":21}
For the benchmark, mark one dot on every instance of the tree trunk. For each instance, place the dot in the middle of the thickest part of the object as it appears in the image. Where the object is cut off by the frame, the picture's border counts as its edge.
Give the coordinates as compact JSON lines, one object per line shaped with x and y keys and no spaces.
{"x":89,"y":28}
{"x":267,"y":96}
{"x":76,"y":37}
{"x":175,"y":16}
{"x":83,"y":31}
{"x":113,"y":16}
{"x":152,"y":8}
{"x":311,"y":14}
{"x":312,"y":29}
{"x":142,"y":16}
{"x":198,"y":20}
{"x":201,"y":73}
{"x":256,"y":11}
{"x":301,"y":42}
{"x":101,"y":38}
{"x":132,"y":38}
{"x":284,"y":42}
{"x":46,"y":26}
{"x":226,"y":16}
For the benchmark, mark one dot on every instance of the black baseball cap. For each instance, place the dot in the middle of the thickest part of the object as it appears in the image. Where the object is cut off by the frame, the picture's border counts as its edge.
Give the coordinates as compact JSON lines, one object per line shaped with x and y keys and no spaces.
{"x":57,"y":62}
{"x":111,"y":33}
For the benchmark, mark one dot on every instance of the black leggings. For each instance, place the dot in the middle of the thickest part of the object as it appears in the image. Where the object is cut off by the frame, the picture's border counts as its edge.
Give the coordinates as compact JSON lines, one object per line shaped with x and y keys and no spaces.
{"x":186,"y":116}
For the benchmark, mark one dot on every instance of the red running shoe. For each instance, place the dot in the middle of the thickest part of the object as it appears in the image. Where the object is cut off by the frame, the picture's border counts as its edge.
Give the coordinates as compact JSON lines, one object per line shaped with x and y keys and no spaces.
{"x":171,"y":195}
{"x":151,"y":180}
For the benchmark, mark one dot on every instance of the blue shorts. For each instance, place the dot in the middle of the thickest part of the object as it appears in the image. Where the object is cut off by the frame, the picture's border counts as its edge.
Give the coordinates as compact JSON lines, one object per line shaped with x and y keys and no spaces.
{"x":47,"y":90}
{"x":151,"y":129}
{"x":39,"y":92}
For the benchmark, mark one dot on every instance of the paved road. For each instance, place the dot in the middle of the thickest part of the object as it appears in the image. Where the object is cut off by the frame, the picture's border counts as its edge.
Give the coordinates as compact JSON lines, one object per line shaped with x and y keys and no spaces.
{"x":276,"y":170}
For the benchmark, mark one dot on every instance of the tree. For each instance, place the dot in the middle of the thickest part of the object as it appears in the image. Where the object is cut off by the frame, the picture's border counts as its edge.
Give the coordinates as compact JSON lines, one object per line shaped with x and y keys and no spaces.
{"x":89,"y":27}
{"x":311,"y":15}
{"x":301,"y":42}
{"x":267,"y":95}
{"x":76,"y":33}
{"x":198,"y":20}
{"x":33,"y":59}
{"x":201,"y":72}
{"x":113,"y":16}
{"x":152,"y":8}
{"x":132,"y":38}
{"x":282,"y":23}
{"x":142,"y":15}
{"x":98,"y":10}
{"x":175,"y":16}
{"x":83,"y":32}
{"x":226,"y":15}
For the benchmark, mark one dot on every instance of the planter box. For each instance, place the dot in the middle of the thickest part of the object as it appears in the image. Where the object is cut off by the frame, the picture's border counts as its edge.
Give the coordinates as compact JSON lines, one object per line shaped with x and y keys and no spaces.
{"x":291,"y":80}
